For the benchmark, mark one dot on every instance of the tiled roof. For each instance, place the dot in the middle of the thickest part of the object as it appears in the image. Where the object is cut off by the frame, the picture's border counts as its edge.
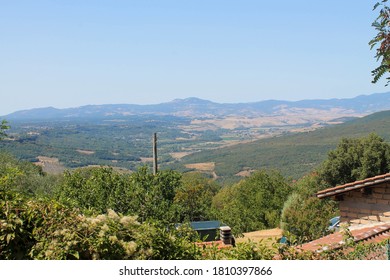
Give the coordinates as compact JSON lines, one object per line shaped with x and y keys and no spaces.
{"x":369,"y":182}
{"x":371,"y":234}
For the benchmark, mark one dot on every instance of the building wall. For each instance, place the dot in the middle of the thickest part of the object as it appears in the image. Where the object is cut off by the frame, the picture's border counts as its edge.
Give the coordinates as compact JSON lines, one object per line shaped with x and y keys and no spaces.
{"x":360,"y":208}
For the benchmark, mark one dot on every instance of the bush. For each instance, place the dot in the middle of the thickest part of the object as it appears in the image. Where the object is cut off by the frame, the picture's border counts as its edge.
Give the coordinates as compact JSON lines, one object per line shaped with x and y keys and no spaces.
{"x":304,"y":216}
{"x":48,"y":230}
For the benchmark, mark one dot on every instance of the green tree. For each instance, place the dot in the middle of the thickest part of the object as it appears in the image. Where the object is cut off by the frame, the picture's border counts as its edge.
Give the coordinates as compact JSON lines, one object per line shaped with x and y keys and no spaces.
{"x":254,"y":203}
{"x":155,"y":194}
{"x":3,"y":127}
{"x":91,"y":188}
{"x":193,"y":199}
{"x":148,"y":196}
{"x":356,"y":159}
{"x":382,"y":26}
{"x":304,"y":216}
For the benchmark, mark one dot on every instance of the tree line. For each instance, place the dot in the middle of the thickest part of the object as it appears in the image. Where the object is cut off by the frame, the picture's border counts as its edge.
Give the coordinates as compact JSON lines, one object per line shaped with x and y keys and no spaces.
{"x":101,"y":213}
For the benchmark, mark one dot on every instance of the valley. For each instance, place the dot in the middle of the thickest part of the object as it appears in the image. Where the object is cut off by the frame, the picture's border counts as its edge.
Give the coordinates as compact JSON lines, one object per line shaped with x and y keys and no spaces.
{"x":224,"y":141}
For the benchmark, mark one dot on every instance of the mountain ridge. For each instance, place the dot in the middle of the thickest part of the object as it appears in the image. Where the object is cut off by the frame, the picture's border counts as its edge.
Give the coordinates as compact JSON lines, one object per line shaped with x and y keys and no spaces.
{"x":195,"y":107}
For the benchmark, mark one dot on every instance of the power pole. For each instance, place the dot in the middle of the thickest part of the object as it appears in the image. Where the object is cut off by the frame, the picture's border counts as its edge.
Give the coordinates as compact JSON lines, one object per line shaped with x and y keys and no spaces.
{"x":155,"y":166}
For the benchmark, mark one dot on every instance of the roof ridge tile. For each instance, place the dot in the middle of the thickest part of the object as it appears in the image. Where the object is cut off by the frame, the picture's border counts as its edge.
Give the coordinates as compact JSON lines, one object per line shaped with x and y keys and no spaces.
{"x":353,"y":185}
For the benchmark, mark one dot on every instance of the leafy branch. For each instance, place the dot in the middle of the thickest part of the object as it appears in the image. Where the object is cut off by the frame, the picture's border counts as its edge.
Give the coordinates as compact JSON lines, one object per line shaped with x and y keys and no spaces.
{"x":382,"y":39}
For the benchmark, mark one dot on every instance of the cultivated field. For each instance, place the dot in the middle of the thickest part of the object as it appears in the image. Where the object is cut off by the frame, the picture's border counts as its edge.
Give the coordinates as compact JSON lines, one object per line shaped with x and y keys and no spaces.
{"x":50,"y":165}
{"x":204,"y":166}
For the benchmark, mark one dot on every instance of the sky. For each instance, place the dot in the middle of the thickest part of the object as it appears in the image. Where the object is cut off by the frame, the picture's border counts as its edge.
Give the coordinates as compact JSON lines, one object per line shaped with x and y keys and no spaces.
{"x":69,"y":53}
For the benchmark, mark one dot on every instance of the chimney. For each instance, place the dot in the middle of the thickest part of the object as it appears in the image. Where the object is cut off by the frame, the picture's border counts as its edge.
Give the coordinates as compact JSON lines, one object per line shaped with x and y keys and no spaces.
{"x":226,"y":235}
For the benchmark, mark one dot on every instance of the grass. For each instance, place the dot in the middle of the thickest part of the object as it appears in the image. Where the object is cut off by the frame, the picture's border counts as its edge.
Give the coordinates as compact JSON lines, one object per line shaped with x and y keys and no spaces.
{"x":268,"y":236}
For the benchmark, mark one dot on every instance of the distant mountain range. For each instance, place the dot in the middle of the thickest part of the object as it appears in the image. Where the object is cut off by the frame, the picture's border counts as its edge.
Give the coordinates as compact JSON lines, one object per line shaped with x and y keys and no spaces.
{"x":198,"y":108}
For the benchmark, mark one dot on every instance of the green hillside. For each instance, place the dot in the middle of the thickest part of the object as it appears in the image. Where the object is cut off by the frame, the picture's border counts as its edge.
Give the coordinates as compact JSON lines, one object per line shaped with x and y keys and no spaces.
{"x":295,"y":154}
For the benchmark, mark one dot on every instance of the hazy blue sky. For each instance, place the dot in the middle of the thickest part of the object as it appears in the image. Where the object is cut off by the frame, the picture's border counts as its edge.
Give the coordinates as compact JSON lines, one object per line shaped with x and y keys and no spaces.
{"x":67,"y":53}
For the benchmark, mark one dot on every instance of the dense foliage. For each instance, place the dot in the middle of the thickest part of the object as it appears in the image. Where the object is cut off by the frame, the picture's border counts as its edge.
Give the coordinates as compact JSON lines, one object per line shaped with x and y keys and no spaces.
{"x":166,"y":197}
{"x":34,"y":229}
{"x":304,"y":216}
{"x":194,"y":198}
{"x":253,"y":203}
{"x":356,"y":159}
{"x":140,"y":193}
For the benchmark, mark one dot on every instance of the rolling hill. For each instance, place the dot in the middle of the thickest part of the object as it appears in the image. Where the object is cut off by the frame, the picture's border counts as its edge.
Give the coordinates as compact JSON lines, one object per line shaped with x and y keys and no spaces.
{"x":294,"y":154}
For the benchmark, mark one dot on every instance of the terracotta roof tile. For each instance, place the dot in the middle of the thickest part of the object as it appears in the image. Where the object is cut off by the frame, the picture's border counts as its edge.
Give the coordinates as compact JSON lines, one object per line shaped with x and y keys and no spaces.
{"x":369,"y":182}
{"x":219,"y":244}
{"x":371,"y":234}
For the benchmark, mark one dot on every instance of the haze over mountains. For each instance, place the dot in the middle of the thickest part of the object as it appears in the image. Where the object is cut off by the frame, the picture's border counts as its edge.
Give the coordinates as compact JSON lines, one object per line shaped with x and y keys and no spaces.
{"x":197,"y":108}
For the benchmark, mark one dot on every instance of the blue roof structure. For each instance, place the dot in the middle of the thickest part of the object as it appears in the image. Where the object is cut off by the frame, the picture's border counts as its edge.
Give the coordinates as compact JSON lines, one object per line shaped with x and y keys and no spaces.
{"x":206,"y":225}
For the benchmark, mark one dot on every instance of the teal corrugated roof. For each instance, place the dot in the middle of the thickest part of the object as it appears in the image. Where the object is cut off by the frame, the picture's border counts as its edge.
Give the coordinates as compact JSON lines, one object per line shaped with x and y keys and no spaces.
{"x":204,"y":225}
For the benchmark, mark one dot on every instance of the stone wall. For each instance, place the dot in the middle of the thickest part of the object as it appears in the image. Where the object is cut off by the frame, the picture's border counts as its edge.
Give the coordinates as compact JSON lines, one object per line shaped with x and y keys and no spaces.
{"x":364,"y":207}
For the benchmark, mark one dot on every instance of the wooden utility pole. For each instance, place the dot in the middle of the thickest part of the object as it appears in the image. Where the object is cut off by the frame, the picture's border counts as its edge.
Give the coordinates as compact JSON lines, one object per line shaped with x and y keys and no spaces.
{"x":155,"y":166}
